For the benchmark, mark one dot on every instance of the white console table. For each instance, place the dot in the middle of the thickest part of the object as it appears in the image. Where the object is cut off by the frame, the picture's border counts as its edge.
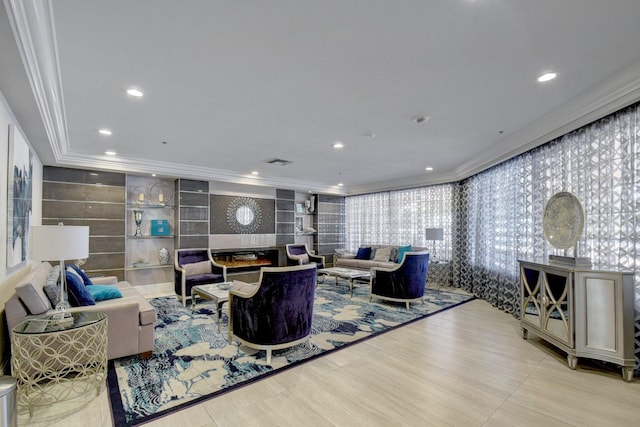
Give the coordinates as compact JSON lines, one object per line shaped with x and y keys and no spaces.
{"x":584,"y":312}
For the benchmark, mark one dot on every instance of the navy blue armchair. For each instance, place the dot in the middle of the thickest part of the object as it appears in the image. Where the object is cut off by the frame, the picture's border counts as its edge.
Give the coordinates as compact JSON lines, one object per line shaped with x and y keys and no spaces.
{"x":275,"y":313}
{"x":404,"y":283}
{"x":195,"y":267}
{"x":300,"y":255}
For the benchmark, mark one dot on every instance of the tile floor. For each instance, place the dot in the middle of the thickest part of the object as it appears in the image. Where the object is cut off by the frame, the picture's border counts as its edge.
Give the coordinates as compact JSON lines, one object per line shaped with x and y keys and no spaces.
{"x":464,"y":367}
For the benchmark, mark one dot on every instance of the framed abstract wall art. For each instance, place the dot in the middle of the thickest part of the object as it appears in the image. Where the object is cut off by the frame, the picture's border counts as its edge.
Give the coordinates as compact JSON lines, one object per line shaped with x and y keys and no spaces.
{"x":19,"y":193}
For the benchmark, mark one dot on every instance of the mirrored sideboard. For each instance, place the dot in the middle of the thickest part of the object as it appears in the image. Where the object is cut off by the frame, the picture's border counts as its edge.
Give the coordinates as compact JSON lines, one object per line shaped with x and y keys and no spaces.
{"x":584,"y":312}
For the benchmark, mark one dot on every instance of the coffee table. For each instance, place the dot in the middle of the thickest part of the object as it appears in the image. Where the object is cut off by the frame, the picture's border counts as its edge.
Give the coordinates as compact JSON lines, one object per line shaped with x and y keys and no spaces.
{"x":348,"y":274}
{"x":212,"y":293}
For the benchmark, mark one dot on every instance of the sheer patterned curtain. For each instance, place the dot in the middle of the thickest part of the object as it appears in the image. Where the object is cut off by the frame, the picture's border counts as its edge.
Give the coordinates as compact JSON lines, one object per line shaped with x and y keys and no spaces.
{"x":401,"y":217}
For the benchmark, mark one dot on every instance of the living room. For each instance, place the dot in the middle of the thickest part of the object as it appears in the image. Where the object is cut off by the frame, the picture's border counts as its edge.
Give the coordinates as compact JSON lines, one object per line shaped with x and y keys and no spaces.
{"x":490,"y":207}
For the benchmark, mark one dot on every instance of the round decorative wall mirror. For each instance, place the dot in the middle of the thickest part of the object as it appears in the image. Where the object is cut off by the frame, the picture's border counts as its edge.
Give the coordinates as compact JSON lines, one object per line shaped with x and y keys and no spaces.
{"x":244,"y":215}
{"x":563,"y":220}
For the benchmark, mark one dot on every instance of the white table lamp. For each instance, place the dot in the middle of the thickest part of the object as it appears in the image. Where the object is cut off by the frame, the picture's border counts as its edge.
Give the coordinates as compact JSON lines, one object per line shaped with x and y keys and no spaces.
{"x":434,"y":234}
{"x":60,"y":242}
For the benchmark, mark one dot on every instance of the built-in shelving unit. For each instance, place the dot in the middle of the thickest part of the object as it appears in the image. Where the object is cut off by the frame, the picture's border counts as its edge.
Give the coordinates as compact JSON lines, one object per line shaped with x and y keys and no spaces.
{"x":153,"y":199}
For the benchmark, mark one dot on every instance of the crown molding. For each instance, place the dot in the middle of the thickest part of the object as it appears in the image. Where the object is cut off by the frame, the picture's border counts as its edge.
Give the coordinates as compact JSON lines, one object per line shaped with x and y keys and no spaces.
{"x":34,"y":30}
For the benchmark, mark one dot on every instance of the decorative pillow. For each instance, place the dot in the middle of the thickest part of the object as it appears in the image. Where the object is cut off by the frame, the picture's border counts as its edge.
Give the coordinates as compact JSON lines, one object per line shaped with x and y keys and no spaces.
{"x":373,"y":253}
{"x":401,"y":251}
{"x":85,"y":278}
{"x":104,"y":292}
{"x":52,"y":285}
{"x":383,"y":254}
{"x":394,"y":254}
{"x":31,"y":290}
{"x":202,"y":267}
{"x":76,"y":290}
{"x":363,"y":253}
{"x":304,"y":258}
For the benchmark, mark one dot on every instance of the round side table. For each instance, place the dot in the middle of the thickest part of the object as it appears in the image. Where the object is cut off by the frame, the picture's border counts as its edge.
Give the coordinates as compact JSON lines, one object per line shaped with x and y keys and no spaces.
{"x":55,"y":361}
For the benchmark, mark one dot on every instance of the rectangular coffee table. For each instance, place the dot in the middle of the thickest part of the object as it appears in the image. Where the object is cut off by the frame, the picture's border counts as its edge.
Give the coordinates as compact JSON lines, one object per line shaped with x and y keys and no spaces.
{"x":212,"y":293}
{"x":348,"y":274}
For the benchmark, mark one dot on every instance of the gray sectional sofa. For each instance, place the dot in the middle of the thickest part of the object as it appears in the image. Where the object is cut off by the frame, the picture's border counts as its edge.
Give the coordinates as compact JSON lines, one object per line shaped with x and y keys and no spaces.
{"x":131,"y":319}
{"x":350,"y":261}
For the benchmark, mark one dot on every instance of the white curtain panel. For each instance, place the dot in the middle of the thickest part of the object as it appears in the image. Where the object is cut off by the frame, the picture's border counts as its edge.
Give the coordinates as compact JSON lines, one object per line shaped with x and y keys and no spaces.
{"x":494,"y":218}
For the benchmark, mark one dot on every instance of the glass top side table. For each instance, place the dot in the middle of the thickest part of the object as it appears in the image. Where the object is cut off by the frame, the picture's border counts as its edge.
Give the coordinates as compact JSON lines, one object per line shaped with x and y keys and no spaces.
{"x":54,"y":361}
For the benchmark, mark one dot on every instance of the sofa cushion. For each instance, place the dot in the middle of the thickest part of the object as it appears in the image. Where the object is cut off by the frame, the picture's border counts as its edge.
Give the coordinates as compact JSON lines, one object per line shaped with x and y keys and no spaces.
{"x":401,"y":251}
{"x":202,"y":267}
{"x":76,"y":290}
{"x":383,"y":254}
{"x":104,"y":292}
{"x":363,"y":253}
{"x":31,"y":290}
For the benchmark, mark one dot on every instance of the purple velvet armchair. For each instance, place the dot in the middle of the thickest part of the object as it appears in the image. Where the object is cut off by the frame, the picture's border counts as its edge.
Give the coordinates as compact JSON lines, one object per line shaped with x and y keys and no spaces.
{"x":300,"y":255}
{"x":195,"y":267}
{"x":276,"y":312}
{"x":404,"y":283}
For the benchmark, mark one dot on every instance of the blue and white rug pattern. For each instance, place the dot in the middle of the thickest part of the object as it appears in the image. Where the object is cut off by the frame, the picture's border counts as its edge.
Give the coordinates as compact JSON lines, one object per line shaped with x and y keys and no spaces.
{"x":192,"y":361}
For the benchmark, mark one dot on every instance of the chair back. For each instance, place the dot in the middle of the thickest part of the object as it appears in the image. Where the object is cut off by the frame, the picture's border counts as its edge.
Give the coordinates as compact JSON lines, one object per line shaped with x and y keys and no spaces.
{"x":296,"y":249}
{"x":281,"y":310}
{"x":414,"y":269}
{"x":190,"y":256}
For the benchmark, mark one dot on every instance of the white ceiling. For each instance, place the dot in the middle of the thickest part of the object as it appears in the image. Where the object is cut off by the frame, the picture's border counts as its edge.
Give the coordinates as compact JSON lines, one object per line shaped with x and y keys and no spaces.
{"x":231,"y":84}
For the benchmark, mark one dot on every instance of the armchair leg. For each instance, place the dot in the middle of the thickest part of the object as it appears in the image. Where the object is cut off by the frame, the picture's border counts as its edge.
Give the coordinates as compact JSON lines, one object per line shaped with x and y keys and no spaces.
{"x":268,"y":355}
{"x":408,"y":306}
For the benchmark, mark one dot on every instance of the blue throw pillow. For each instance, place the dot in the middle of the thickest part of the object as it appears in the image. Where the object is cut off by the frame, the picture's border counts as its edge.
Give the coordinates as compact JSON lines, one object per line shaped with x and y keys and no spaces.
{"x":104,"y":292}
{"x":363,"y":253}
{"x":401,"y":251}
{"x":85,"y":278}
{"x":77,"y":291}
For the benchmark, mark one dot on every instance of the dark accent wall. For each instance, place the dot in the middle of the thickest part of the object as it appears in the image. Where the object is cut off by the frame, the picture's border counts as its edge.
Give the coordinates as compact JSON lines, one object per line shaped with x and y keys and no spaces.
{"x":218,"y":215}
{"x":96,"y":199}
{"x":193,"y":213}
{"x":329,"y":222}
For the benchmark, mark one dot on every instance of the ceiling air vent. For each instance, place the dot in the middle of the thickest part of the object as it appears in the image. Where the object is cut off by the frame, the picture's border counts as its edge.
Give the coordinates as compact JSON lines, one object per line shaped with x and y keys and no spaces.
{"x":278,"y":162}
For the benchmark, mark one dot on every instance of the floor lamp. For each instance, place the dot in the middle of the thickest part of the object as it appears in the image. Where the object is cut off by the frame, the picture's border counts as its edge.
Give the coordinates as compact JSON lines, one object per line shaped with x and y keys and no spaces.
{"x":434,"y":234}
{"x":60,"y":242}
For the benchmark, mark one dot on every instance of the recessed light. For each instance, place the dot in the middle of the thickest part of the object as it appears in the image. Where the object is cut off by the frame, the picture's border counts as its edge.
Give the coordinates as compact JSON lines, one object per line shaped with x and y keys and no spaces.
{"x":255,"y":173}
{"x":110,"y":153}
{"x":135,"y":92}
{"x":428,"y":168}
{"x":153,"y":174}
{"x":104,"y":132}
{"x":546,"y":77}
{"x":420,"y":119}
{"x":340,"y":184}
{"x":338,"y":145}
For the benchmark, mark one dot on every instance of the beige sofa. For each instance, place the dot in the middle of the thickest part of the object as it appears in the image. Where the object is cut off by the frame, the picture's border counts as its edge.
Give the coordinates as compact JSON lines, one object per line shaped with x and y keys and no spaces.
{"x":349,"y":261}
{"x":131,"y":319}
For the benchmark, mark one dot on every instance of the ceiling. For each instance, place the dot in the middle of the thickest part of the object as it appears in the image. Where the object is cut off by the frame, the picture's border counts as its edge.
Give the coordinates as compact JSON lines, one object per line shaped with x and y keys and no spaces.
{"x":229,"y":85}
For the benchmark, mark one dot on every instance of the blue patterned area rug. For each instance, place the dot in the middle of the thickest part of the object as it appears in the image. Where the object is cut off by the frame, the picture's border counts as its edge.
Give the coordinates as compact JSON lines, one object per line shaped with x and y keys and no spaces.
{"x":192,"y":362}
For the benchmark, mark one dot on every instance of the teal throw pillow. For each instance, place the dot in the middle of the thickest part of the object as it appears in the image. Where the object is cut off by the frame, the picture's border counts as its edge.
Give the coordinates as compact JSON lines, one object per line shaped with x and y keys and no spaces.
{"x":104,"y":292}
{"x":401,"y":251}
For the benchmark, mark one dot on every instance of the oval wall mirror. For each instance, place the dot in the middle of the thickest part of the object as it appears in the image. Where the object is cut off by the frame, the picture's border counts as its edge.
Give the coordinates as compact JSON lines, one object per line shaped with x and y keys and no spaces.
{"x":563,"y":220}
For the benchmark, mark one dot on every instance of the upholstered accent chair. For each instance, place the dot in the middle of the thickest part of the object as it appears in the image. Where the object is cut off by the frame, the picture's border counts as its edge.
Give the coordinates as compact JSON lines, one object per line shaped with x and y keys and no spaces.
{"x":195,"y":267}
{"x":300,"y":255}
{"x":404,"y":283}
{"x":276,"y":312}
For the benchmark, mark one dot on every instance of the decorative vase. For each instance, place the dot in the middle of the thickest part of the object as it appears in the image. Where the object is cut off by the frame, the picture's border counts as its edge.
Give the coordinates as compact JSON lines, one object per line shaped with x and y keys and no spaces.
{"x":163,"y":256}
{"x":137,"y":216}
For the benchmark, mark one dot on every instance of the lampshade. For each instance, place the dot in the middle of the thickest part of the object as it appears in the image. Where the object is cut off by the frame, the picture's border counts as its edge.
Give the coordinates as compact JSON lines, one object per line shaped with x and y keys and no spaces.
{"x":59,"y":242}
{"x":434,"y":234}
